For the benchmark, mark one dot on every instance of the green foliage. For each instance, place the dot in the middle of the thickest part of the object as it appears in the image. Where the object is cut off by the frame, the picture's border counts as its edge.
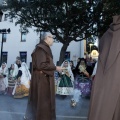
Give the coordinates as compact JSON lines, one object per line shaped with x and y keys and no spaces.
{"x":109,"y":8}
{"x":68,"y":20}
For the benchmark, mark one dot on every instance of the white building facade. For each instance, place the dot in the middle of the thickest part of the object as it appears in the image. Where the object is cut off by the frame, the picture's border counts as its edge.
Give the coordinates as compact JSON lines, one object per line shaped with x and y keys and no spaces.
{"x":17,"y":43}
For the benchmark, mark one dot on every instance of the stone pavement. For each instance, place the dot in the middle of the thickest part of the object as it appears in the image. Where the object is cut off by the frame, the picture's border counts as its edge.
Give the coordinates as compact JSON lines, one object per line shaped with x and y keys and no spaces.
{"x":14,"y":109}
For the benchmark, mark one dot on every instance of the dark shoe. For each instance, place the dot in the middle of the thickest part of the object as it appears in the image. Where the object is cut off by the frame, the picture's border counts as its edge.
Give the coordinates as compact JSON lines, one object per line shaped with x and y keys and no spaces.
{"x":63,"y":96}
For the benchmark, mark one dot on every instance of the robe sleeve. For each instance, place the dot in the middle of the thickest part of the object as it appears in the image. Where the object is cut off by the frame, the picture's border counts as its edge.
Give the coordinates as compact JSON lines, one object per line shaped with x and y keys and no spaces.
{"x":89,"y":70}
{"x":42,"y":61}
{"x":5,"y":73}
{"x":95,"y":69}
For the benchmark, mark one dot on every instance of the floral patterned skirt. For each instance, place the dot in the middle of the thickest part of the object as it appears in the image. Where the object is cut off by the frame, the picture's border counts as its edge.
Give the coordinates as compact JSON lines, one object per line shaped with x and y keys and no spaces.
{"x":21,"y":91}
{"x":83,"y":85}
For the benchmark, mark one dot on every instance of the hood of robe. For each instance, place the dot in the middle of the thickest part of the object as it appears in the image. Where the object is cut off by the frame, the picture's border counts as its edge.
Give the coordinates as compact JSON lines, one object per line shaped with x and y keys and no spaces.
{"x":115,"y":25}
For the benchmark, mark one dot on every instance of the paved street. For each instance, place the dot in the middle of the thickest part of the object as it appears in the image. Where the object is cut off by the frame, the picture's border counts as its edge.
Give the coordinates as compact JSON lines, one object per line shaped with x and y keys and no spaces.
{"x":14,"y":109}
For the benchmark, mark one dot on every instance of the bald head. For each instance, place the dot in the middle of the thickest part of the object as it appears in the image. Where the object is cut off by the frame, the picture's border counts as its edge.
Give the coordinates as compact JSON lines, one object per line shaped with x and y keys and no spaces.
{"x":47,"y":37}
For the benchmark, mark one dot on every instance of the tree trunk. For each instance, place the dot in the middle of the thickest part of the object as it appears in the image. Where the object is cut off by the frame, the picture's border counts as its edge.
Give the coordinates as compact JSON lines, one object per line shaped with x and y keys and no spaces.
{"x":62,"y":53}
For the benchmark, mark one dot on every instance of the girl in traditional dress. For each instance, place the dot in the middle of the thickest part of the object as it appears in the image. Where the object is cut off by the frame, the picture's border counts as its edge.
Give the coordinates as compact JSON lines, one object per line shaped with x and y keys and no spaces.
{"x":3,"y":78}
{"x":22,"y":85}
{"x":65,"y":84}
{"x":12,"y":78}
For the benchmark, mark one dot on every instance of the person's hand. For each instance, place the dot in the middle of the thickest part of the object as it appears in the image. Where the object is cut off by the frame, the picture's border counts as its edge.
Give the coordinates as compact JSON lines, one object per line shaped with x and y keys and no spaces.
{"x":59,"y":69}
{"x":63,"y":68}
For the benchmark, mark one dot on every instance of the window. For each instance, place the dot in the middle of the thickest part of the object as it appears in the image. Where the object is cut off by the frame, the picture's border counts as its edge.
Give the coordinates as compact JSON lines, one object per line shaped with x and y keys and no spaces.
{"x":23,"y":36}
{"x":6,"y":16}
{"x":4,"y":57}
{"x":23,"y":56}
{"x":4,"y":37}
{"x":67,"y":56}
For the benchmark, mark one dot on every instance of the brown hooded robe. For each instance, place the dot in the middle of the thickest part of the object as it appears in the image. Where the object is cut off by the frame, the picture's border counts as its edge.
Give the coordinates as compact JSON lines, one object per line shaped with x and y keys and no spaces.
{"x":105,"y":99}
{"x":41,"y":104}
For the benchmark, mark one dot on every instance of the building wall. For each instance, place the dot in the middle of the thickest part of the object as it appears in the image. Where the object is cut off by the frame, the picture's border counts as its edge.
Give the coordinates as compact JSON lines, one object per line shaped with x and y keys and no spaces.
{"x":74,"y":49}
{"x":13,"y":45}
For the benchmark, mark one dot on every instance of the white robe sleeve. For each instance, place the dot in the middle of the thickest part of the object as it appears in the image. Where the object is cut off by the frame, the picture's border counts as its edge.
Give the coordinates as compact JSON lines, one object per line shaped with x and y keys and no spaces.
{"x":95,"y":69}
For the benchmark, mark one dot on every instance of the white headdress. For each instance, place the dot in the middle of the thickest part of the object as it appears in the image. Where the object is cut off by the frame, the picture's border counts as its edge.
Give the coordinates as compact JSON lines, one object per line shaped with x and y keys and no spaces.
{"x":5,"y":69}
{"x":69,"y":69}
{"x":15,"y":71}
{"x":25,"y":67}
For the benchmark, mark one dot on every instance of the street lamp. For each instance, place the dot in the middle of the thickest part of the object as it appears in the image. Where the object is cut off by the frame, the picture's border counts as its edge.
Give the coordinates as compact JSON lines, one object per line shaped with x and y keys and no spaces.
{"x":3,"y":31}
{"x":1,"y":14}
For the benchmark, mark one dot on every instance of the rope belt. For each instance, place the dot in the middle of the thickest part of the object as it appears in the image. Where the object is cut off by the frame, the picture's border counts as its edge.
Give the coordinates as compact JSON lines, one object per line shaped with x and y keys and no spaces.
{"x":41,"y":72}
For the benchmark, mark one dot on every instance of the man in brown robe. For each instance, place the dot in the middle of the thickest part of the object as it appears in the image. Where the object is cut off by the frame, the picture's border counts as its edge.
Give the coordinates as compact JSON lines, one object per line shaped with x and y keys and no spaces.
{"x":41,"y":103}
{"x":105,"y":99}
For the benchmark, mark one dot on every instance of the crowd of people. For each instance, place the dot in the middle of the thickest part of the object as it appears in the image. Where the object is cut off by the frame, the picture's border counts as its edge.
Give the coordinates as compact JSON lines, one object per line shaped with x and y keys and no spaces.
{"x":15,"y":80}
{"x":104,"y":102}
{"x":71,"y":80}
{"x":76,"y":80}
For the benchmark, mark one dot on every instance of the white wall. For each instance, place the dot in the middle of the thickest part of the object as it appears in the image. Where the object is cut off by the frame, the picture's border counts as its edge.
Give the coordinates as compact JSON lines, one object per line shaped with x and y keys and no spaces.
{"x":13,"y":44}
{"x":74,"y":49}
